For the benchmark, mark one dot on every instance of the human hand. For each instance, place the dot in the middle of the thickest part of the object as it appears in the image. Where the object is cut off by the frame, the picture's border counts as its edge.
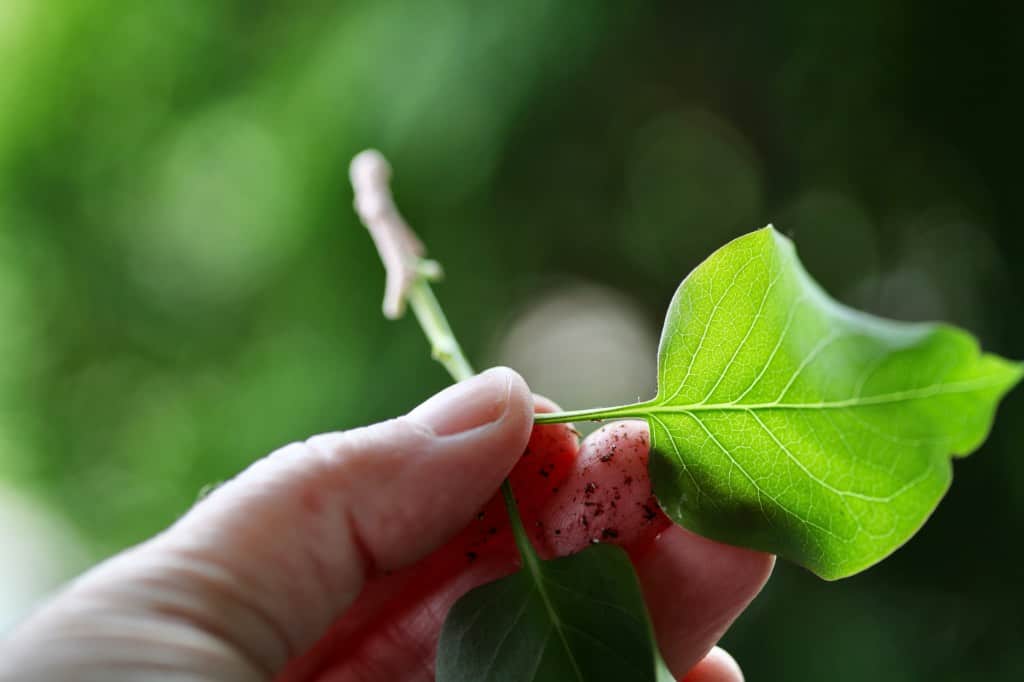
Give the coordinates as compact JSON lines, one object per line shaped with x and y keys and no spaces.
{"x":332,"y":561}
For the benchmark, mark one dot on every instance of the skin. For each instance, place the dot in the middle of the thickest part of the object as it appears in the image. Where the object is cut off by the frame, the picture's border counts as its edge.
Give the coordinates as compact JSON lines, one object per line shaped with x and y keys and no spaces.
{"x":335,"y":559}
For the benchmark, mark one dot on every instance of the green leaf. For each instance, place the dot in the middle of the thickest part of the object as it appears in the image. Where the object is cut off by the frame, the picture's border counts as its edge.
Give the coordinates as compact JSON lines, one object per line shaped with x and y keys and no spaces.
{"x":787,"y":422}
{"x":790,"y":423}
{"x":578,"y":618}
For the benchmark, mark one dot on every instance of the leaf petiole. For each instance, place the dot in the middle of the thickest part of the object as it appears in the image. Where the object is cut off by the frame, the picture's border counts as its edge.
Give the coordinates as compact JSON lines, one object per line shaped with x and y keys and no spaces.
{"x":634,"y":411}
{"x":444,"y":347}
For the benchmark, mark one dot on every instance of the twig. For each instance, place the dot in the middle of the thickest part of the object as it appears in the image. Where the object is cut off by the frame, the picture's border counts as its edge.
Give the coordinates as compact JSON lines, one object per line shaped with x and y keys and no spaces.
{"x":408,"y":273}
{"x":400,"y":249}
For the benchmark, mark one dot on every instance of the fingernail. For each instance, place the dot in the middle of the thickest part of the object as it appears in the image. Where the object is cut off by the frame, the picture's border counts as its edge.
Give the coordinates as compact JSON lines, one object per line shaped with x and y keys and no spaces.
{"x":468,"y":404}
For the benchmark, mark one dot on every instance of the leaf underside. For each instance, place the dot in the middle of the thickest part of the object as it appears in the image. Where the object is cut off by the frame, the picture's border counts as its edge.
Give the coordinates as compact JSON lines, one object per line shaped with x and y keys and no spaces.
{"x":787,"y":422}
{"x":572,"y":619}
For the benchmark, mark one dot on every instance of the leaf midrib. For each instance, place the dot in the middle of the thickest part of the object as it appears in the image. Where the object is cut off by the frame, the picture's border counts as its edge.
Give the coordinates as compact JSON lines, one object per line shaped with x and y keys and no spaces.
{"x":655,"y":406}
{"x":921,"y":393}
{"x":533,"y":566}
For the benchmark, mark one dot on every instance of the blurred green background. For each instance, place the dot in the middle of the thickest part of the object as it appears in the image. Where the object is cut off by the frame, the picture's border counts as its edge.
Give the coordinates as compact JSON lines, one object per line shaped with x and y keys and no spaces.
{"x":184,"y":285}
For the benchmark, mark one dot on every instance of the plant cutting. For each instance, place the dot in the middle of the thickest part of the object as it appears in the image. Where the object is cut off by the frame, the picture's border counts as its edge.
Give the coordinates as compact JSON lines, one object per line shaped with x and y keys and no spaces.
{"x":784,"y":421}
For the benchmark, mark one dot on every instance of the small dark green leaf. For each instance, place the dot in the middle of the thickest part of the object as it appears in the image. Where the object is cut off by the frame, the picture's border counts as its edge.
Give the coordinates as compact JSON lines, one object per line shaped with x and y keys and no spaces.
{"x":581,"y":618}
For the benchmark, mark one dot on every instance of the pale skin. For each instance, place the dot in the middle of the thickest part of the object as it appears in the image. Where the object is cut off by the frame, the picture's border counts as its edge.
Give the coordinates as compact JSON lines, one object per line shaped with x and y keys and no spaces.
{"x":246,"y":585}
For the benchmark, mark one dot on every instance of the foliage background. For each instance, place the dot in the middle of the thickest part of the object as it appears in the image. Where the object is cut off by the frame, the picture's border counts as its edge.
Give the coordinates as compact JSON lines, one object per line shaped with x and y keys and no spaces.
{"x":184,"y":286}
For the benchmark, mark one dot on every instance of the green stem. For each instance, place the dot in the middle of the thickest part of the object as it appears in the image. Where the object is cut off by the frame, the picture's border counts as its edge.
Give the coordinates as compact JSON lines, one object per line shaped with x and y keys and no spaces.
{"x":443,"y":346}
{"x":518,"y":530}
{"x":446,"y":350}
{"x":637,"y":410}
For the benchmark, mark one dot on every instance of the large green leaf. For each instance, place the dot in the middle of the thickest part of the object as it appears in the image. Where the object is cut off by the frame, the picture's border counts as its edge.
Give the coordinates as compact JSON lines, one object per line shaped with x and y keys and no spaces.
{"x":572,"y":619}
{"x":787,"y":422}
{"x":790,"y":423}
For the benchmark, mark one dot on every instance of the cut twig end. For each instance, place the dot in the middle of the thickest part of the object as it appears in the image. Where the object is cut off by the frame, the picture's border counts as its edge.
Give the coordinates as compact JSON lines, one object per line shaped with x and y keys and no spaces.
{"x":399,"y":248}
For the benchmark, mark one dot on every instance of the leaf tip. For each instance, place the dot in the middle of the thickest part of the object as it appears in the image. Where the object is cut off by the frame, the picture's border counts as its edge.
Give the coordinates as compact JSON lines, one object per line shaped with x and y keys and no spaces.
{"x":1016,"y":368}
{"x":1010,"y":372}
{"x":771,"y":233}
{"x":1014,"y":374}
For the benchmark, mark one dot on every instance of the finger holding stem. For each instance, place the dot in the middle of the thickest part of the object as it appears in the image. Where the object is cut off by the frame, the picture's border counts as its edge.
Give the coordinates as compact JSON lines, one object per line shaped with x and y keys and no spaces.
{"x":408,"y":281}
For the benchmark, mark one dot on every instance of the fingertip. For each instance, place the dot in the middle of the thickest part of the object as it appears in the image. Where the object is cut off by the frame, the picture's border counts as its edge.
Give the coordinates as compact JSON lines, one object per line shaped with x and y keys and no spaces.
{"x":519,"y":402}
{"x":717,"y":666}
{"x":511,"y":408}
{"x":497,"y":397}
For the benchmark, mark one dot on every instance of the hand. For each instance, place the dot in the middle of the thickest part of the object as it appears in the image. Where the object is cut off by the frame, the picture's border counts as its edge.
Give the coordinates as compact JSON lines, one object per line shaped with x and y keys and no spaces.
{"x":325,"y":562}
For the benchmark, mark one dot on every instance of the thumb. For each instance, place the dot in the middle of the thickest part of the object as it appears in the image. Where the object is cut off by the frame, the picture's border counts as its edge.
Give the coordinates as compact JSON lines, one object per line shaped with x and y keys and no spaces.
{"x":268,"y":561}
